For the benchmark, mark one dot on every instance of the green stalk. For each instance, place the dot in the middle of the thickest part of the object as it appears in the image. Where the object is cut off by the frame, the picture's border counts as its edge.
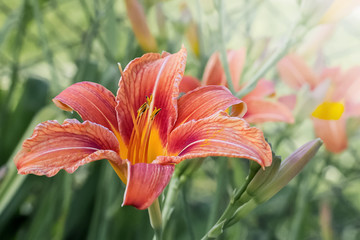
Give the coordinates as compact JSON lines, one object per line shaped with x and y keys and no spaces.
{"x":301,"y":207}
{"x":223,"y":221}
{"x":182,"y":172}
{"x":200,"y":32}
{"x":271,"y":61}
{"x":220,"y":190}
{"x":223,"y":53}
{"x":21,"y":31}
{"x":45,"y":46}
{"x":67,"y":194}
{"x":187,"y":214}
{"x":91,"y":34}
{"x":155,"y":219}
{"x":12,"y":180}
{"x":284,"y":133}
{"x":305,"y":192}
{"x":171,"y":197}
{"x":233,"y":208}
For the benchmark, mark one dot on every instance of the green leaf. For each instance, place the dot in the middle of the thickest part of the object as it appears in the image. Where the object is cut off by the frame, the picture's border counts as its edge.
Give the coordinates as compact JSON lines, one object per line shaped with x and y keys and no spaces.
{"x":33,"y":98}
{"x":11,"y":183}
{"x":87,"y":71}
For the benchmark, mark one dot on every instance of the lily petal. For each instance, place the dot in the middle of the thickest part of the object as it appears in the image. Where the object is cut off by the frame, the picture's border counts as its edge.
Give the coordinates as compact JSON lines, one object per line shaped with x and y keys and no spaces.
{"x":288,"y":100}
{"x":294,"y":72}
{"x":214,"y":73}
{"x":188,"y":83}
{"x":264,"y":88}
{"x":352,"y":109}
{"x":348,"y":86}
{"x":332,"y":132}
{"x":260,"y":111}
{"x":217,"y":135}
{"x":332,"y":74}
{"x":145,"y":183}
{"x":53,"y":147}
{"x":236,"y":59}
{"x":92,"y":101}
{"x":156,"y":75}
{"x":204,"y":102}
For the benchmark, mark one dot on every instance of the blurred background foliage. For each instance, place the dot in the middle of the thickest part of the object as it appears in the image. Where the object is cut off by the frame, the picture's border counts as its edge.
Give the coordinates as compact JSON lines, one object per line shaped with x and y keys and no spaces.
{"x":46,"y":45}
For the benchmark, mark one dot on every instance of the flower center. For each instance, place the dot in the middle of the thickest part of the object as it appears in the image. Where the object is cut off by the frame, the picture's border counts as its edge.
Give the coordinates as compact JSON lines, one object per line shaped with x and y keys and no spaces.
{"x":138,"y":151}
{"x":329,"y":111}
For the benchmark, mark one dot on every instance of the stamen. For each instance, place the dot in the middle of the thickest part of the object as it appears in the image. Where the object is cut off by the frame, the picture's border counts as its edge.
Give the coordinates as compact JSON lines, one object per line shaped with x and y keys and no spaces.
{"x":142,"y":109}
{"x":148,"y":133}
{"x":133,"y":140}
{"x":140,"y":136}
{"x":149,"y":99}
{"x":154,"y":113}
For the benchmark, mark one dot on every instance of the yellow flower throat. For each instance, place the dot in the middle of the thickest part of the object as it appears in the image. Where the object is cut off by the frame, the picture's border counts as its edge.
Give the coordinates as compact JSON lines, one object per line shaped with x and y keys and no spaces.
{"x":141,"y":135}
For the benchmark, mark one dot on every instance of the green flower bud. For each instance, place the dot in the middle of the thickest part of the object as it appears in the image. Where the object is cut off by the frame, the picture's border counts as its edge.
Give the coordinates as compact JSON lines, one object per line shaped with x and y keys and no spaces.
{"x":289,"y":168}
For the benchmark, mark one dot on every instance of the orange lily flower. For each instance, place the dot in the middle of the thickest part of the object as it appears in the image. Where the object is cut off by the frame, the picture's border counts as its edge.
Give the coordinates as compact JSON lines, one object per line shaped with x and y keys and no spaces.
{"x":143,"y":131}
{"x":260,"y":107}
{"x":340,"y":102}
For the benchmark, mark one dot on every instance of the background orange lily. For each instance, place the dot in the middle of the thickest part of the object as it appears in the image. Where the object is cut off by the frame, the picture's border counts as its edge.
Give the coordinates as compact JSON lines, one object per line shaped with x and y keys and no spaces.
{"x":144,"y":130}
{"x":340,"y":102}
{"x":261,"y":106}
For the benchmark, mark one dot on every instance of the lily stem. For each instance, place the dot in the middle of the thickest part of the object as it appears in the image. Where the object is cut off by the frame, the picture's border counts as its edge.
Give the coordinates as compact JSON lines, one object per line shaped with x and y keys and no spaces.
{"x":273,"y":59}
{"x":226,"y":218}
{"x":155,"y":219}
{"x":220,"y":191}
{"x":223,"y":54}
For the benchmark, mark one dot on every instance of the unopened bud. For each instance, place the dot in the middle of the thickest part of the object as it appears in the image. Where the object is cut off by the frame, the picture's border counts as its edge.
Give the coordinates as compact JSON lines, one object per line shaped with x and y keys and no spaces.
{"x":139,"y":25}
{"x":260,"y":179}
{"x":264,"y":176}
{"x":289,"y":168}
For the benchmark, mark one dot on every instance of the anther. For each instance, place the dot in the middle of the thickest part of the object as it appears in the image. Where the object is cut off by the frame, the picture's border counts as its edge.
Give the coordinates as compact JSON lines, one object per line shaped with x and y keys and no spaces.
{"x":154,"y":113}
{"x":149,"y":99}
{"x":142,"y":109}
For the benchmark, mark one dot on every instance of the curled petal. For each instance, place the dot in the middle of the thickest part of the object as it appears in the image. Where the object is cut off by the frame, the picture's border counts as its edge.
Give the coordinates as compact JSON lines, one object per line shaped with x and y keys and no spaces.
{"x":145,"y":183}
{"x":332,"y":132}
{"x":260,"y":111}
{"x":204,"y":102}
{"x":156,"y":75}
{"x":294,"y":72}
{"x":217,"y":135}
{"x":188,"y":83}
{"x":92,"y":101}
{"x":53,"y":147}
